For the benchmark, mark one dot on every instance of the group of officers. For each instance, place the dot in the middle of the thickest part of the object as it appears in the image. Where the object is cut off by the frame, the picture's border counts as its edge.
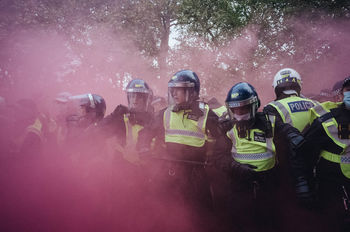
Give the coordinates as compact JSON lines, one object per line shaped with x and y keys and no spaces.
{"x":286,"y":167}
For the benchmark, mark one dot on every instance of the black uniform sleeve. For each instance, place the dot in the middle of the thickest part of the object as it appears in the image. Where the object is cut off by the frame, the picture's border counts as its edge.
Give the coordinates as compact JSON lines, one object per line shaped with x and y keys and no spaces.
{"x":113,"y":124}
{"x":213,"y":126}
{"x":316,"y":139}
{"x":285,"y":134}
{"x":221,"y":157}
{"x":153,"y":130}
{"x":270,"y":110}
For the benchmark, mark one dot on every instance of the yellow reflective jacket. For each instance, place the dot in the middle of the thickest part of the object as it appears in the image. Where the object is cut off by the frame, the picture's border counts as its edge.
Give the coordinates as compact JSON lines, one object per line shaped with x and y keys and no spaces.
{"x":183,"y":130}
{"x":255,"y":149}
{"x":294,"y":110}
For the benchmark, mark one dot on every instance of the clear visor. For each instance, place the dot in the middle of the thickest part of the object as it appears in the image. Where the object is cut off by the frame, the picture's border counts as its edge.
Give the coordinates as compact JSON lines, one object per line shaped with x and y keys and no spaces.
{"x":234,"y":104}
{"x":242,"y":111}
{"x":83,"y":100}
{"x":74,"y":108}
{"x":138,"y":101}
{"x":138,"y":90}
{"x":185,"y":84}
{"x":178,"y":95}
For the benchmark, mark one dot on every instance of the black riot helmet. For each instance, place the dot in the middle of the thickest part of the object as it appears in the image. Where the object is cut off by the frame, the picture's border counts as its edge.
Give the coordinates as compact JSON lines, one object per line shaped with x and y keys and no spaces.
{"x":186,"y":81}
{"x":139,"y":96}
{"x":87,"y":108}
{"x":242,"y":103}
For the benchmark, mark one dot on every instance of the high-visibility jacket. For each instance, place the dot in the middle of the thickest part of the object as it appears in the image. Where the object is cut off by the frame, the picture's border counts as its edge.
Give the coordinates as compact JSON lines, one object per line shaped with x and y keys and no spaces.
{"x":321,"y":109}
{"x":294,"y":110}
{"x":181,"y":129}
{"x":131,"y":136}
{"x":220,"y":111}
{"x":131,"y":131}
{"x":255,"y":149}
{"x":330,"y":126}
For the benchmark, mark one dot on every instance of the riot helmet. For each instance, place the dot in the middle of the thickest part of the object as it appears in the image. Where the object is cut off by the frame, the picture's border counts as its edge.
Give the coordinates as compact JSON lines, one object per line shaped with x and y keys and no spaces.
{"x":86,"y":109}
{"x":287,"y":81}
{"x":139,"y":96}
{"x":183,"y":89}
{"x":242,"y":103}
{"x":63,"y":97}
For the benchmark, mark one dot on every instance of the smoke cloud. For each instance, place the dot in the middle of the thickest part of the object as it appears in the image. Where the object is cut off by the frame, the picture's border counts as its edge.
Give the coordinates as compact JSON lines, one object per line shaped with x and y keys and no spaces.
{"x":82,"y":187}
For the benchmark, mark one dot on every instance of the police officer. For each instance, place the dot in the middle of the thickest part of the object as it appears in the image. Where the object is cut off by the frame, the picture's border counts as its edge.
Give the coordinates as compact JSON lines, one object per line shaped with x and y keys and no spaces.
{"x":125,"y":122}
{"x":182,"y":129}
{"x":120,"y":131}
{"x":327,"y":149}
{"x":326,"y":106}
{"x":76,"y":114}
{"x":250,"y":143}
{"x":289,"y":105}
{"x":87,"y":110}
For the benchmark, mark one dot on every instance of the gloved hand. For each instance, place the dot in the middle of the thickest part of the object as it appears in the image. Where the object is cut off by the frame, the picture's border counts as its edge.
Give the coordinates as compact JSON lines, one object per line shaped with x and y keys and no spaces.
{"x":304,"y":193}
{"x":243,"y":169}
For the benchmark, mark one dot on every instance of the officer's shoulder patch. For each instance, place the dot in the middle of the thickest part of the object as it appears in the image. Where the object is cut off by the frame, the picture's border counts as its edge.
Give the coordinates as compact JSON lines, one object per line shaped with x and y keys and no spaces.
{"x":259,"y":137}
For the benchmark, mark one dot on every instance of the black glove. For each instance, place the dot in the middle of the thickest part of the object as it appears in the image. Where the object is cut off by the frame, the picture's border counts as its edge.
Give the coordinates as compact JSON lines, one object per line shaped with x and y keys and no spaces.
{"x":243,"y":169}
{"x":304,"y":193}
{"x":120,"y":110}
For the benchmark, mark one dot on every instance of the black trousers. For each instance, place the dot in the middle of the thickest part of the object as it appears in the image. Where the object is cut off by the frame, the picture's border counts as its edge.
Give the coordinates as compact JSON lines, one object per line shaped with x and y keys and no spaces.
{"x":253,"y":202}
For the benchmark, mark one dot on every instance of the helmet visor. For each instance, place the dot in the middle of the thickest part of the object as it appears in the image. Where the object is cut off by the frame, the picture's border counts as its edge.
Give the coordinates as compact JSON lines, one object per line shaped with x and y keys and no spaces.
{"x":184,"y":84}
{"x":138,"y":101}
{"x":178,"y":95}
{"x":83,"y":100}
{"x":240,"y":113}
{"x":234,"y":104}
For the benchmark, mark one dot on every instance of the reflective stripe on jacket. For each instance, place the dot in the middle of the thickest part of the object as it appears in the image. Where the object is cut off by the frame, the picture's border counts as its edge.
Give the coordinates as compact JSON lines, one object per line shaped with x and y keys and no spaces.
{"x":220,"y":111}
{"x":294,"y":110}
{"x":331,"y":128}
{"x":132,"y":132}
{"x":321,"y":109}
{"x":258,"y":150}
{"x":180,"y":129}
